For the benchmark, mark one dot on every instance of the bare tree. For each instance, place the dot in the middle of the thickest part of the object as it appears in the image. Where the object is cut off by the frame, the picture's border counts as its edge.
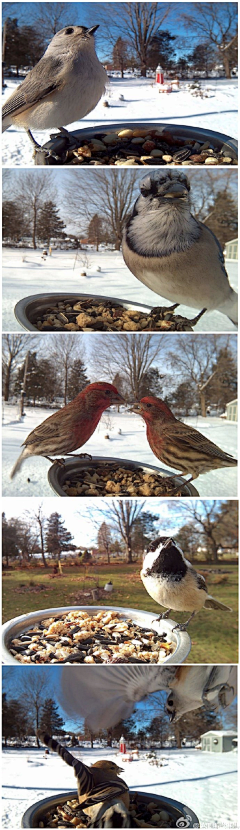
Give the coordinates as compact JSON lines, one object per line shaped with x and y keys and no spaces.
{"x":204,"y":190}
{"x":51,"y":17}
{"x":215,"y":522}
{"x":216,"y":23}
{"x":200,"y":360}
{"x":40,"y":521}
{"x":139,"y":23}
{"x":122,"y":515}
{"x":106,"y":192}
{"x":32,"y":691}
{"x":31,"y":189}
{"x":14,"y":348}
{"x":65,"y":349}
{"x":132,"y":355}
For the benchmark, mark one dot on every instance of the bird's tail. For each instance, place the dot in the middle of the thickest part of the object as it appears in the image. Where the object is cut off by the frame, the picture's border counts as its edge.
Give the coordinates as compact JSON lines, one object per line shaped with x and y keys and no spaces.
{"x":210,"y":602}
{"x":230,"y":308}
{"x":83,"y":774}
{"x":24,"y":454}
{"x":113,"y":815}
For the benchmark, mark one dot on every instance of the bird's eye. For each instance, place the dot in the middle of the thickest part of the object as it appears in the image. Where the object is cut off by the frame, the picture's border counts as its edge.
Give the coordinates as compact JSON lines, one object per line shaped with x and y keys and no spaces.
{"x":148,"y":405}
{"x":170,"y":702}
{"x":69,"y":31}
{"x":107,"y":392}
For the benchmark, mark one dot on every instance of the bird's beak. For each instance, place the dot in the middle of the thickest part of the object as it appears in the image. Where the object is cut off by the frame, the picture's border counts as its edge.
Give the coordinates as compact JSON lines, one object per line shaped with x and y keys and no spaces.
{"x":135,"y":408}
{"x":92,"y":30}
{"x":119,"y":398}
{"x":171,"y":717}
{"x":176,"y":191}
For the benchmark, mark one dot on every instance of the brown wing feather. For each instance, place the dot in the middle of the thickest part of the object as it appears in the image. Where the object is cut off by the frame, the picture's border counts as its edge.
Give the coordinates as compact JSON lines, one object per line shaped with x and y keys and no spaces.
{"x":192,"y":438}
{"x":35,"y":86}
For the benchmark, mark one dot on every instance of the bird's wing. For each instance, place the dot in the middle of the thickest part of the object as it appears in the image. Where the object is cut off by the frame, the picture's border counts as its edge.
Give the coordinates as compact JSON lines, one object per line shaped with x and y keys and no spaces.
{"x":104,"y":698}
{"x":50,"y":428}
{"x":192,"y":438}
{"x":201,"y":582}
{"x":218,"y":246}
{"x":105,"y":792}
{"x":43,"y":79}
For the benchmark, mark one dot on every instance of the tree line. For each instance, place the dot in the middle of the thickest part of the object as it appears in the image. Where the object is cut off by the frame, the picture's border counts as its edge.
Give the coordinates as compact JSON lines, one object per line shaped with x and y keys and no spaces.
{"x":95,"y":205}
{"x":132,"y":35}
{"x":192,"y":378}
{"x":205,"y":533}
{"x":33,"y":707}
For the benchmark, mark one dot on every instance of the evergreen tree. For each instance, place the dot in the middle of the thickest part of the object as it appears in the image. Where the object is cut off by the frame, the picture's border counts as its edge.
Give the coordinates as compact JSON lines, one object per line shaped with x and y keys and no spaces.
{"x":95,"y":230}
{"x":14,"y":222}
{"x":58,"y":538}
{"x":15,"y":721}
{"x":222,"y":217}
{"x":161,"y":50}
{"x":77,"y":379}
{"x":49,"y":224}
{"x":51,"y":722}
{"x":151,"y":383}
{"x":104,"y":540}
{"x":42,"y":380}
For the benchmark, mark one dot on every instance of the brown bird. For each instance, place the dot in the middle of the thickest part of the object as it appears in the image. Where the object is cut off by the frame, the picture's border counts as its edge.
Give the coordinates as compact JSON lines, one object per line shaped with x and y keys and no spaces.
{"x":178,"y":445}
{"x":72,"y":426}
{"x":102,"y":795}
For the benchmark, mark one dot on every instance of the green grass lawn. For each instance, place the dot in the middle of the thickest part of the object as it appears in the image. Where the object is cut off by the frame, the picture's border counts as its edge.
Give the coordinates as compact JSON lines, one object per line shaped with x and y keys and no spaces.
{"x":214,"y":634}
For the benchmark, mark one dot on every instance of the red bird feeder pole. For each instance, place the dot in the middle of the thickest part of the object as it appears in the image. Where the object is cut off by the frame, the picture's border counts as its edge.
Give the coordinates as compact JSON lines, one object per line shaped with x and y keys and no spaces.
{"x":122,"y":745}
{"x":159,"y":75}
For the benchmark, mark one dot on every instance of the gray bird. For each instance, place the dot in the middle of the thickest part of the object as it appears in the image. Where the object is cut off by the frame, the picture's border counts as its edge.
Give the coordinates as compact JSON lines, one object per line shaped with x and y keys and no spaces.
{"x":63,"y":87}
{"x":172,"y":252}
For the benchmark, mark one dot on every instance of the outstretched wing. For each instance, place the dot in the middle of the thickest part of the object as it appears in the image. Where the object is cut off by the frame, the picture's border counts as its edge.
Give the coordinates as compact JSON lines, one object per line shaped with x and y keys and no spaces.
{"x":43,"y":79}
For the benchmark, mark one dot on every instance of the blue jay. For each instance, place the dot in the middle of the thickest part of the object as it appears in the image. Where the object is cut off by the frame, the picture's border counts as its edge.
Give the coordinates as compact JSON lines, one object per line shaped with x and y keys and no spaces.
{"x":172,"y":252}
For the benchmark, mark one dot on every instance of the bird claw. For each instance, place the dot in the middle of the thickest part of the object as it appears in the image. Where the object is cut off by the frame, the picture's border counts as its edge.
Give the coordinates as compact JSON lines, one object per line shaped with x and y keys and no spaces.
{"x":180,"y":626}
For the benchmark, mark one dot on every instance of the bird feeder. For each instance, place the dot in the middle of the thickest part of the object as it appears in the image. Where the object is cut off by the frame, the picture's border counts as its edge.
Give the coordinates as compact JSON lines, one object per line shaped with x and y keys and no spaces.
{"x":159,"y":75}
{"x":122,"y":745}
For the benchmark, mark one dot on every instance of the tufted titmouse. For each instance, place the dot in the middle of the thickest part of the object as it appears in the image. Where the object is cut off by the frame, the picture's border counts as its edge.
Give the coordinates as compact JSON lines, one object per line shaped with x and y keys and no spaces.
{"x":172,"y":581}
{"x":172,"y":252}
{"x":64,"y":86}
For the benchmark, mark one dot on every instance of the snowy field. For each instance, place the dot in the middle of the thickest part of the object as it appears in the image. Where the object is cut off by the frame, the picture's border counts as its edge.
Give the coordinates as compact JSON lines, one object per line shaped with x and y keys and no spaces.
{"x":25,"y":273}
{"x":221,"y":483}
{"x":204,"y":782}
{"x":142,"y":102}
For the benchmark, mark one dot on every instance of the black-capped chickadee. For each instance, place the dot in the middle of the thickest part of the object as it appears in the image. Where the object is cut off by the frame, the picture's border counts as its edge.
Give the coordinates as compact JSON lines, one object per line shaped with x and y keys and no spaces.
{"x":173,"y":253}
{"x":172,"y":581}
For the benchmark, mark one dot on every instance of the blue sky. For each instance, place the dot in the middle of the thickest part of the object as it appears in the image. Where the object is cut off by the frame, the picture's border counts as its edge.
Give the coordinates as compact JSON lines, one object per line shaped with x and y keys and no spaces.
{"x":90,"y":13}
{"x":12,"y":678}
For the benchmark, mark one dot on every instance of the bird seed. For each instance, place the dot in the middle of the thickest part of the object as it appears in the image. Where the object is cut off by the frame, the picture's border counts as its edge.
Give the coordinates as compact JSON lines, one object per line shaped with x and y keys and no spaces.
{"x":141,"y":147}
{"x":79,"y":637}
{"x":114,"y":480}
{"x":105,"y":315}
{"x":70,"y":814}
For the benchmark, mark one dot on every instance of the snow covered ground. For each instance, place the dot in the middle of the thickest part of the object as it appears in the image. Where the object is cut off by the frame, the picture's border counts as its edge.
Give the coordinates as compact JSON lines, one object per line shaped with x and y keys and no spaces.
{"x":142,"y":102}
{"x":130,"y":444}
{"x":25,"y":273}
{"x":205,"y":782}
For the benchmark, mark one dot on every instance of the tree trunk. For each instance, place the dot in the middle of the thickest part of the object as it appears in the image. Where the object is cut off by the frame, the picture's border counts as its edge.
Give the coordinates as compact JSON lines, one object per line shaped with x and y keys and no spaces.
{"x":203,"y":403}
{"x":42,"y":544}
{"x":143,"y":70}
{"x":7,"y":381}
{"x":226,"y":64}
{"x":34,"y":227}
{"x":129,"y":553}
{"x":117,"y":244}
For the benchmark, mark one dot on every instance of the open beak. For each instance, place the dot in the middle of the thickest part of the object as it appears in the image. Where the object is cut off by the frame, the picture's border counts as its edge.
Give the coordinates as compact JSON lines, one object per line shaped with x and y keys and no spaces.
{"x":171,"y":717}
{"x":92,"y":30}
{"x":119,"y":399}
{"x":176,"y":191}
{"x":135,"y":408}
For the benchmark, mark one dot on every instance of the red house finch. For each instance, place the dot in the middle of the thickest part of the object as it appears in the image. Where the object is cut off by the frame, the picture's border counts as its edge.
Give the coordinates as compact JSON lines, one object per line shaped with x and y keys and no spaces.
{"x":102,"y":795}
{"x":70,"y":427}
{"x":178,"y":445}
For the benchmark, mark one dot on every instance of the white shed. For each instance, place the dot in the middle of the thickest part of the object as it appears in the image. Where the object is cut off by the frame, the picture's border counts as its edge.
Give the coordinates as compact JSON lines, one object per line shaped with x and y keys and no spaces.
{"x":231,"y":249}
{"x":219,"y":740}
{"x":232,"y":410}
